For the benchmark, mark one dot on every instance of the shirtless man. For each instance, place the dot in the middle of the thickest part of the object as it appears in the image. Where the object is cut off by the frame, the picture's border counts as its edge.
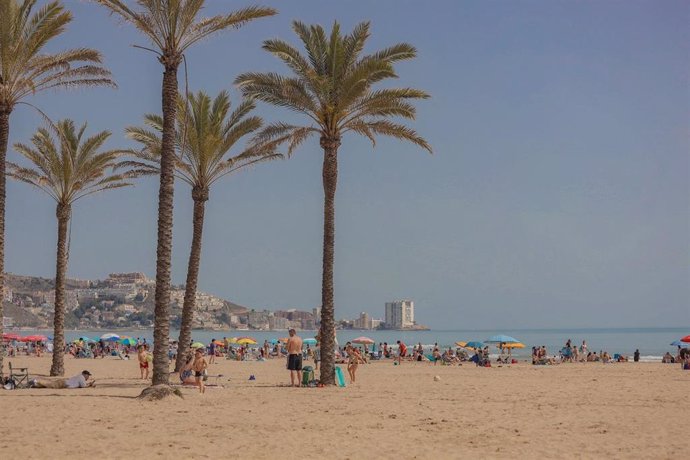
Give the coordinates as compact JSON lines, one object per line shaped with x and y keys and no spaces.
{"x":294,"y":363}
{"x":199,"y":367}
{"x":142,"y":355}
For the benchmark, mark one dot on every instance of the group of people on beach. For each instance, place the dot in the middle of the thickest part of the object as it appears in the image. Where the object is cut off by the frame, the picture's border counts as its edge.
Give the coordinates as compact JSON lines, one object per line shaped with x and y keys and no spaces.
{"x":682,"y":357}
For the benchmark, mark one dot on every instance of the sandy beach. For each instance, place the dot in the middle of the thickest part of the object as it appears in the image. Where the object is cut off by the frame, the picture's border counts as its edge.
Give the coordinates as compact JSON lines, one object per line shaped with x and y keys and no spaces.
{"x":587,"y":410}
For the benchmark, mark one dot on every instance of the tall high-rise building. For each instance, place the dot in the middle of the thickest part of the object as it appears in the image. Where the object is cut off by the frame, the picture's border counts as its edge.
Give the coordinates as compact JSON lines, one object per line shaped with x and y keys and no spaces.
{"x":400,"y":314}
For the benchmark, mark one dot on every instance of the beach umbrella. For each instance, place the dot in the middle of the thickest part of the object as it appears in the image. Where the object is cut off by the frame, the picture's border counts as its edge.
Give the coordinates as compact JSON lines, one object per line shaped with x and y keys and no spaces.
{"x":110,"y":337}
{"x":474,"y":344}
{"x":686,"y":339}
{"x":128,"y":341}
{"x":363,"y":341}
{"x":310,"y":341}
{"x":232,"y":340}
{"x":198,"y":345}
{"x":9,"y":336}
{"x":219,"y":342}
{"x":678,"y":343}
{"x":34,"y":338}
{"x":501,"y":338}
{"x":461,"y":344}
{"x":283,"y":340}
{"x":511,"y":345}
{"x":246,"y":341}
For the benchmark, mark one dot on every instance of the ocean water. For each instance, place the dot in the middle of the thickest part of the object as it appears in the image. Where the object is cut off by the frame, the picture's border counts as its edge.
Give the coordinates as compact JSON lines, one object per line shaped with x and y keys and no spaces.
{"x":652,"y":342}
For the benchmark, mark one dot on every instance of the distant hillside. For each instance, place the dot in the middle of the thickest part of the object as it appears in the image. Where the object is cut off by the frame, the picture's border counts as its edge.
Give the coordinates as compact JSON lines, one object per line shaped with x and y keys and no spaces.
{"x":22,"y":317}
{"x":236,"y":309}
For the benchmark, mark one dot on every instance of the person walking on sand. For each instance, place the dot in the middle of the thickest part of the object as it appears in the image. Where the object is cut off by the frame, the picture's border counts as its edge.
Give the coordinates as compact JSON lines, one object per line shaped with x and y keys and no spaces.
{"x":199,"y":367}
{"x":143,"y":362}
{"x":294,"y":362}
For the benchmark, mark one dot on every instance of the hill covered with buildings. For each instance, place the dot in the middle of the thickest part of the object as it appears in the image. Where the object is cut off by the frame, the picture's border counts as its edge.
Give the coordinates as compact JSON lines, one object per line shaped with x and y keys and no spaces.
{"x":125,"y":301}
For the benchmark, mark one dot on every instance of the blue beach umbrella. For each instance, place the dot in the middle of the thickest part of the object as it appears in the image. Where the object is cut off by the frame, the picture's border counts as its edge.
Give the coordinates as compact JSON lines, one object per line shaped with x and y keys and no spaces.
{"x":501,"y":338}
{"x":678,"y":343}
{"x":309,"y":341}
{"x":474,"y":344}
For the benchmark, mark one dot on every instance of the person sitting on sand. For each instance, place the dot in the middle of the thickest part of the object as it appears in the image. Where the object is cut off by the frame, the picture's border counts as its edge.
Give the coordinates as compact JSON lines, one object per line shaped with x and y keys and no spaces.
{"x":186,"y":373}
{"x":667,"y":358}
{"x":436,"y":354}
{"x":78,"y":381}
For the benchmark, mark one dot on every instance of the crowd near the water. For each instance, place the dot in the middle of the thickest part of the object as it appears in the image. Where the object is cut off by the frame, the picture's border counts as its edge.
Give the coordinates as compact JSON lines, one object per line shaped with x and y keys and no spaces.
{"x":297,"y":350}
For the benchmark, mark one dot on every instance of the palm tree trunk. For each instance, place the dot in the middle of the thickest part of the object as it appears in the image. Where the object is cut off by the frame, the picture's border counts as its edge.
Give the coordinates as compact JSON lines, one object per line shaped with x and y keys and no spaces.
{"x":330,"y":181}
{"x":200,"y":196}
{"x":161,"y":328}
{"x":4,"y":136}
{"x":62,"y":212}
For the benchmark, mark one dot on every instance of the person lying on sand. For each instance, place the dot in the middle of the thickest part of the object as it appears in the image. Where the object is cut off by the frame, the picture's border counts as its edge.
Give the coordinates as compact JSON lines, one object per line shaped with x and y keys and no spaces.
{"x":78,"y":381}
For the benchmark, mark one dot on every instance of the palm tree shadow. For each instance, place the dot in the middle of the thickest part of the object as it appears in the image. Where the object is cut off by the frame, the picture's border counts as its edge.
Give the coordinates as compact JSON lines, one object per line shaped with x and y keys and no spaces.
{"x":72,"y":395}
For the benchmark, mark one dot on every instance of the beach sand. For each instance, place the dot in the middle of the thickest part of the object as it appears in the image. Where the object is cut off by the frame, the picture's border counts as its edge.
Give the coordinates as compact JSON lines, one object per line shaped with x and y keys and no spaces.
{"x":588,"y":410}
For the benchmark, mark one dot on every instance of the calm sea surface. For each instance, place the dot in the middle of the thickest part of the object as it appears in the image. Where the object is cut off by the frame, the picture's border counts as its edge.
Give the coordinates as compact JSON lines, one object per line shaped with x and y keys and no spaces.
{"x":652,"y":342}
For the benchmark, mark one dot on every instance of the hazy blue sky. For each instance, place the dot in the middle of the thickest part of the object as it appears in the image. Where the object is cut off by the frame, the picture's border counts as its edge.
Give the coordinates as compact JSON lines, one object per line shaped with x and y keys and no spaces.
{"x":557,"y":195}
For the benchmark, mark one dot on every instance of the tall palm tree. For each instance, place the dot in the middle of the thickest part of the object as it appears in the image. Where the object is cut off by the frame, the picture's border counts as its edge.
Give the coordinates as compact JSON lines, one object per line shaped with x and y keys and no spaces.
{"x":172,"y":26}
{"x":332,"y":86}
{"x":67,"y":169}
{"x":26,"y":68}
{"x":206,"y":132}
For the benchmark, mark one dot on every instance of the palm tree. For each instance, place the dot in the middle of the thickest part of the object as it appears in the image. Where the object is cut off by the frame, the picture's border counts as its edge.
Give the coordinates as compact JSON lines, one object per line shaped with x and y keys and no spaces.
{"x":68,"y":169}
{"x":26,"y":69}
{"x":172,"y":26}
{"x":332,"y":86}
{"x":206,"y":132}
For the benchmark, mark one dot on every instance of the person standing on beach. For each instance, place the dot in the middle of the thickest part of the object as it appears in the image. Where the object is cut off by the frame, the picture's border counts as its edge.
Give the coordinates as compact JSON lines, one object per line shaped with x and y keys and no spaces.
{"x":294,"y":361}
{"x":402,"y":351}
{"x":636,"y":356}
{"x":143,"y":362}
{"x":212,"y":352}
{"x":583,"y":348}
{"x":199,"y":366}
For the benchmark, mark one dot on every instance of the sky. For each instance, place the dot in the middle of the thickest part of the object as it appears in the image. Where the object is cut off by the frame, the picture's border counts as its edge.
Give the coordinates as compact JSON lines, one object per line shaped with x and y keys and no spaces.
{"x":557,"y":194}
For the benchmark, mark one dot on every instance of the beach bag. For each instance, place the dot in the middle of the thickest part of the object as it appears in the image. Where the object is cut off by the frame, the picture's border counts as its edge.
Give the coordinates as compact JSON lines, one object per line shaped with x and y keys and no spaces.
{"x":307,"y":375}
{"x":9,"y":384}
{"x":339,"y":377}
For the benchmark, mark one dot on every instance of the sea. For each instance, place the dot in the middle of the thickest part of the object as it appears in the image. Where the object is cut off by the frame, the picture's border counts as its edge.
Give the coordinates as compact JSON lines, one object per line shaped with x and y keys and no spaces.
{"x":652,"y":342}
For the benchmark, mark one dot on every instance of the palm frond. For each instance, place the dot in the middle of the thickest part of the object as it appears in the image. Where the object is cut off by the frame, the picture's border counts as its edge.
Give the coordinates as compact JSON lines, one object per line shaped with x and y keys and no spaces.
{"x":71,"y":166}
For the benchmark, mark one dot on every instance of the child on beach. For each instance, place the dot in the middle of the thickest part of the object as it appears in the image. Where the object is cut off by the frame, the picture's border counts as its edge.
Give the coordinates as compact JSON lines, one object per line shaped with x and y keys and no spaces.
{"x":199,"y":367}
{"x":143,"y":362}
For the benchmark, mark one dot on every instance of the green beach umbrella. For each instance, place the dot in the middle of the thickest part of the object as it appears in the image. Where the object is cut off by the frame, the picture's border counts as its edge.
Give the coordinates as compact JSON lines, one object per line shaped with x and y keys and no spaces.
{"x":198,"y":345}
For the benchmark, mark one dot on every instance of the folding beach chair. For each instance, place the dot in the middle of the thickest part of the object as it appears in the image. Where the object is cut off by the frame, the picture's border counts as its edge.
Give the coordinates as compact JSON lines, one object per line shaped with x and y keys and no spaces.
{"x":20,"y":376}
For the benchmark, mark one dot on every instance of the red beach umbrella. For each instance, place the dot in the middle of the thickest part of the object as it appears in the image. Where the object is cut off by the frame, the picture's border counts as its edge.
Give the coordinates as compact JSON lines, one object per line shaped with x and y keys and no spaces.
{"x":363,"y":340}
{"x":686,"y":339}
{"x":34,"y":338}
{"x":10,"y":336}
